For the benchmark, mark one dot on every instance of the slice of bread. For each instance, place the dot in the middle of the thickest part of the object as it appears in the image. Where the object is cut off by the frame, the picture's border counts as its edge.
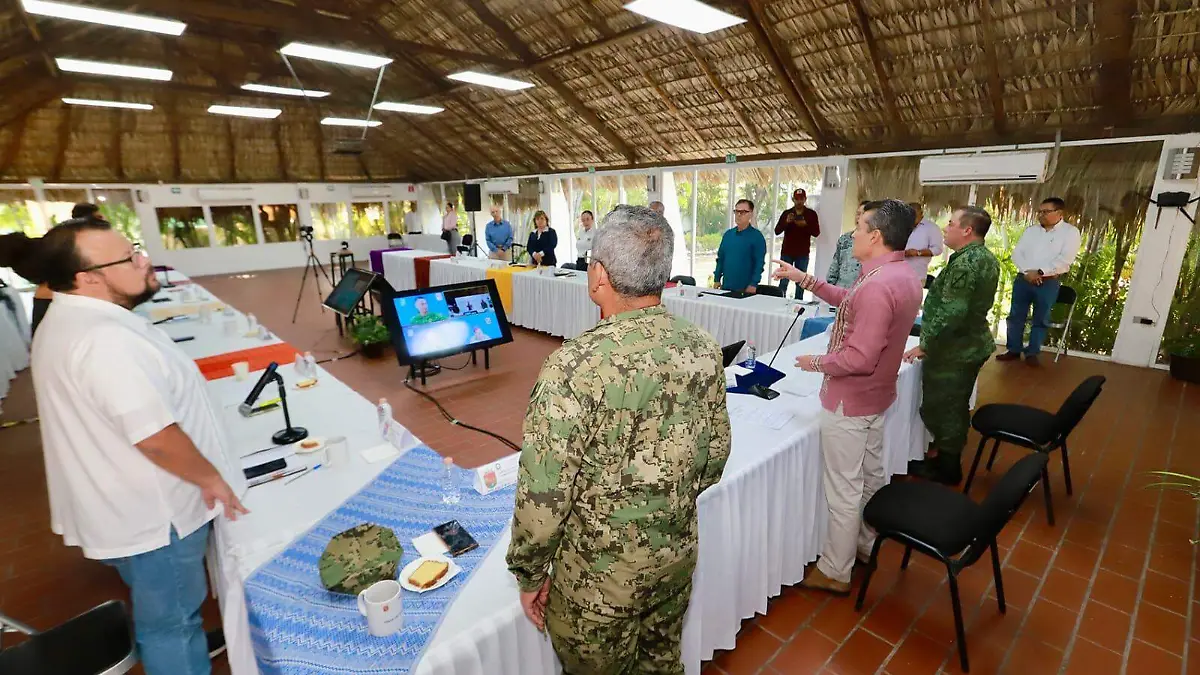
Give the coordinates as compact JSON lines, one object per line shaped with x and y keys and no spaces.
{"x":429,"y":573}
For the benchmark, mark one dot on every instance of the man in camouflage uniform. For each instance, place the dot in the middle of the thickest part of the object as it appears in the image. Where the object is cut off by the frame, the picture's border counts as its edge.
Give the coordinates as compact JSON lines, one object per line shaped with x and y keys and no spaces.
{"x":955,"y":342}
{"x":627,"y":425}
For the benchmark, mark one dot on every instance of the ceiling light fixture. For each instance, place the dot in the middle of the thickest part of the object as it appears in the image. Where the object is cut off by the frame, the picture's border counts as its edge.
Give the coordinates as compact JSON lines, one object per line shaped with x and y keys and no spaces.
{"x":60,"y":10}
{"x":242,"y":111}
{"x":686,"y":14}
{"x":113,"y":69}
{"x":485,"y":80}
{"x":408,"y":108}
{"x":284,"y":91}
{"x":96,"y":103}
{"x":307,"y":51}
{"x":348,"y":122}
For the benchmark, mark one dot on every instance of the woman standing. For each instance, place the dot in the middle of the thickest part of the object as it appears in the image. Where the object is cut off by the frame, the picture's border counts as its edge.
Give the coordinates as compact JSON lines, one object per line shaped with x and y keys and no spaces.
{"x":542,"y":241}
{"x":450,"y":233}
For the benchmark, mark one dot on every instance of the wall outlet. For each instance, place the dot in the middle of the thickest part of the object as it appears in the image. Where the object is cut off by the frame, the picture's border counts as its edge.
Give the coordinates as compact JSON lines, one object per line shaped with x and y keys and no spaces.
{"x":1145,"y":321}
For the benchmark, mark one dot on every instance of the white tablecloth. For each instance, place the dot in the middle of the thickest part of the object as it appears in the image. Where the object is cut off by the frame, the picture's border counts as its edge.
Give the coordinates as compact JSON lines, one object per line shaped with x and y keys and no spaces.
{"x":459,"y":270}
{"x":760,"y":319}
{"x":398,"y":267}
{"x":555,"y":305}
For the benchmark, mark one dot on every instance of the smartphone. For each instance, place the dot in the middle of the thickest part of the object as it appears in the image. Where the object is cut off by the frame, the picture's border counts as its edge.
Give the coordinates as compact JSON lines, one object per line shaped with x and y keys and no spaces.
{"x":264,"y":469}
{"x":456,"y":538}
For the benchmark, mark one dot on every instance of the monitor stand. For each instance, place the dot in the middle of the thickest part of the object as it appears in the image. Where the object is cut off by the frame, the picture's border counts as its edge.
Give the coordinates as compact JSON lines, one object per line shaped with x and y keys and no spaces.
{"x":426,"y":369}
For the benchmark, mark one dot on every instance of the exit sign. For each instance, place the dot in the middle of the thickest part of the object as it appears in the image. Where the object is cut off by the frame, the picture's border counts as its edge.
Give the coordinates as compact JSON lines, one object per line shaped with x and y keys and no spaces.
{"x":731,"y":158}
{"x":591,"y":169}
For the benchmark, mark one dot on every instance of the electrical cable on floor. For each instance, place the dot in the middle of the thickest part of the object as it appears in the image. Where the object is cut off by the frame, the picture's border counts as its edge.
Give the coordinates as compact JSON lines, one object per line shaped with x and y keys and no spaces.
{"x":339,"y":357}
{"x":450,"y":418}
{"x":462,"y":367}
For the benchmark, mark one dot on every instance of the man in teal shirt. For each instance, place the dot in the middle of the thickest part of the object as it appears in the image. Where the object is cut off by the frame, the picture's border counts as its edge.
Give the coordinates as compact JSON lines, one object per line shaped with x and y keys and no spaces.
{"x":742,"y":253}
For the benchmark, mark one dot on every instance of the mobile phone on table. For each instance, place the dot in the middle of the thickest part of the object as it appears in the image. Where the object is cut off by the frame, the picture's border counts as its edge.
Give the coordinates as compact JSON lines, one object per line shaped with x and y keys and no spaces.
{"x":458,"y":541}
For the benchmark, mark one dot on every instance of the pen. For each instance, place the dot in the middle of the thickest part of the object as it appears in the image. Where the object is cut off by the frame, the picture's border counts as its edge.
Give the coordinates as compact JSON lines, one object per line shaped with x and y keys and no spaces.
{"x":302,"y":475}
{"x":258,"y":452}
{"x":276,"y":476}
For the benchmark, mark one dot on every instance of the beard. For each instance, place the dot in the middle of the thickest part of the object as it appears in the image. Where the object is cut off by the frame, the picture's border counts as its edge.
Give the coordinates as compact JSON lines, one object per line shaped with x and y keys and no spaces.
{"x":131,"y":300}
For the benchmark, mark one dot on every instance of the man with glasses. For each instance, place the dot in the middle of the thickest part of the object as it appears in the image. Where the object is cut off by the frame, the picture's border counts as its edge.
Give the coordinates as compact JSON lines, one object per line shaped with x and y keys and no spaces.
{"x":137,"y":465}
{"x":742,"y":253}
{"x":1043,"y":255}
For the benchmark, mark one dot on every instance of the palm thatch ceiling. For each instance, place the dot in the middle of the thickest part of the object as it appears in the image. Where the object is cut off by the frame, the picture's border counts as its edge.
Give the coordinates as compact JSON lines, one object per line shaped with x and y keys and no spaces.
{"x":613,"y":90}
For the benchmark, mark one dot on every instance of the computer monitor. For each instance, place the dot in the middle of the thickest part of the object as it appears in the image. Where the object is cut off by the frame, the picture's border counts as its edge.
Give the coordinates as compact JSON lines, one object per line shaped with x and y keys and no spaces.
{"x":353,"y":285}
{"x":433,"y":323}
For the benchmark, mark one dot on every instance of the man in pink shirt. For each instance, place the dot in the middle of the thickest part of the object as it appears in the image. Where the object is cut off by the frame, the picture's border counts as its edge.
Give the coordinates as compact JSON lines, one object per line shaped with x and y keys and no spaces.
{"x":866,"y":345}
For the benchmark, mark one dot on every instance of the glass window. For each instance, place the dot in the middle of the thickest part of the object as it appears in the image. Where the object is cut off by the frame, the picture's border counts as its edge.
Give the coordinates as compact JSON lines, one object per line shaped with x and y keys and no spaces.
{"x":279,"y":222}
{"x":330,"y":221}
{"x":606,"y":197}
{"x":636,"y":192}
{"x":712,"y":219}
{"x":807,"y":177}
{"x":579,"y":197}
{"x":1182,"y":333}
{"x":117,"y":208}
{"x":368,"y":219}
{"x":182,"y":227}
{"x":59,"y":203}
{"x":685,"y":187}
{"x":396,"y":213}
{"x":234,"y":225}
{"x":16,"y":214}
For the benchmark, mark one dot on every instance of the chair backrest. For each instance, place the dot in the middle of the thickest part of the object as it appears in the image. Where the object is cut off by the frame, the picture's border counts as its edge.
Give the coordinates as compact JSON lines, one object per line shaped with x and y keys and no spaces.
{"x":394,"y":236}
{"x":729,"y":353}
{"x":1077,"y":404}
{"x":468,"y":239}
{"x":1004,"y":499}
{"x":768,"y":289}
{"x":1066,"y":295}
{"x":685,"y":280}
{"x":929,"y":280}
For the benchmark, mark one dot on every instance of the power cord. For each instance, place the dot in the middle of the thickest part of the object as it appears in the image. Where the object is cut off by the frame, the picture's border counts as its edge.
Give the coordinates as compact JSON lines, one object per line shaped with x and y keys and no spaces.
{"x":451,"y":419}
{"x":1179,"y":200}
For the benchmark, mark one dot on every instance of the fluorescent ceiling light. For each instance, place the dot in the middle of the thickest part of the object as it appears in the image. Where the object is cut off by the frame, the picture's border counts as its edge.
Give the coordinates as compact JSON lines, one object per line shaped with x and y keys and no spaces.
{"x":486,"y":80}
{"x":687,"y":14}
{"x":347,"y":122}
{"x":107,"y":104}
{"x":241,"y":111}
{"x":286,"y":91}
{"x":103,"y":16}
{"x":408,"y":108}
{"x":114,"y":69}
{"x":307,"y":51}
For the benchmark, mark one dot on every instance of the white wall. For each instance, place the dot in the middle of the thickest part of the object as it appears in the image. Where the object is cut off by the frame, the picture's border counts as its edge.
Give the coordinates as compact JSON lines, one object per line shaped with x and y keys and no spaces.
{"x":831,"y":211}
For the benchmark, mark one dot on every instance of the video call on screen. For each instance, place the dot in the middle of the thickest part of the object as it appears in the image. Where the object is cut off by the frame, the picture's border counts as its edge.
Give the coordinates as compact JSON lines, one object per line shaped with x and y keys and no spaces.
{"x":438,"y":322}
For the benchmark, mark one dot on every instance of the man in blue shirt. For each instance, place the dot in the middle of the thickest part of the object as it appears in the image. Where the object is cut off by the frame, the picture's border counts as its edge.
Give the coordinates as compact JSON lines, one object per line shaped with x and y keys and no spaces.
{"x":499,"y":236}
{"x":742,"y":254}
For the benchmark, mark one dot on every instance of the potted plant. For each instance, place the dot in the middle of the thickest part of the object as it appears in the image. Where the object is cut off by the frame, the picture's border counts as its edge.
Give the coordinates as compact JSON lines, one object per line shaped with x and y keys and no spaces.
{"x":1184,"y":359}
{"x":370,"y":334}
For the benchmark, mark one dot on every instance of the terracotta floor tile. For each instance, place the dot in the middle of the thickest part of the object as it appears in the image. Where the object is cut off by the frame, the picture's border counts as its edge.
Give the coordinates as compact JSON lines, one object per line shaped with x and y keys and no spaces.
{"x":1030,"y":558}
{"x":1124,"y":560}
{"x":1065,"y":589}
{"x":755,"y":647}
{"x":807,"y":652}
{"x":860,"y":654}
{"x":1031,"y":656}
{"x":891,"y":619}
{"x":1146,"y":658}
{"x":1050,"y":623}
{"x":1115,"y":590}
{"x":1176,"y":559}
{"x":787,"y":613}
{"x":1104,"y":625}
{"x":1019,"y":588}
{"x":1077,"y":559}
{"x":1166,"y":592}
{"x":1089,"y":658}
{"x":1162,"y":628}
{"x":836,"y":619}
{"x":919,"y":655}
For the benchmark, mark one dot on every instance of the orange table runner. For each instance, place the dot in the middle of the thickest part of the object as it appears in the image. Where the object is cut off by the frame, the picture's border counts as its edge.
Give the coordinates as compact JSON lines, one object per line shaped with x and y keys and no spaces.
{"x":221,"y":365}
{"x":421,"y":269}
{"x":503,"y":277}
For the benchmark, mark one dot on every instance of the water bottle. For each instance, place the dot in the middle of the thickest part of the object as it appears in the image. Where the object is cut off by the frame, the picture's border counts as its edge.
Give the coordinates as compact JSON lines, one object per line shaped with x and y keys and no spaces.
{"x":751,"y":356}
{"x":310,"y":366}
{"x":300,"y":367}
{"x":384,"y":409}
{"x":450,"y":491}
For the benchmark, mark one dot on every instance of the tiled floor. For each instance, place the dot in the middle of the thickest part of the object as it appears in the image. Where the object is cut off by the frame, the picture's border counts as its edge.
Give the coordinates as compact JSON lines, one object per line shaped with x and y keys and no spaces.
{"x":1110,"y":589}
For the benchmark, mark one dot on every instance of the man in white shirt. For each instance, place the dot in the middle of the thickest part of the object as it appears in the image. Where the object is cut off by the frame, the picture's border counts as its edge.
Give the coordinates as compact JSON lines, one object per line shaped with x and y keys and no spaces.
{"x":1043,"y":255}
{"x":450,"y":233}
{"x":412,"y":222}
{"x":924,"y":244}
{"x":583,"y":241}
{"x":137,"y":464}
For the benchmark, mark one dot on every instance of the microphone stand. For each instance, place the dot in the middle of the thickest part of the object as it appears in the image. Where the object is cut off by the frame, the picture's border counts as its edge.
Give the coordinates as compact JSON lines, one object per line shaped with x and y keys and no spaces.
{"x":512,"y":255}
{"x":290,"y":434}
{"x":768,"y":393}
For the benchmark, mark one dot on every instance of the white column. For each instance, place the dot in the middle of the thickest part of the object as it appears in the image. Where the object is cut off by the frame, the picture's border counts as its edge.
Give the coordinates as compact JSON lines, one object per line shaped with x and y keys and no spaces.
{"x":692,"y":243}
{"x":667,"y":195}
{"x":834,"y":203}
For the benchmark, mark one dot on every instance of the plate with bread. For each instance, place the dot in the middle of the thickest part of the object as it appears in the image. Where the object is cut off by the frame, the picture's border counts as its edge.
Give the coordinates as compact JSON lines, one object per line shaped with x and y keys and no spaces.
{"x":428,"y":573}
{"x":309,"y":445}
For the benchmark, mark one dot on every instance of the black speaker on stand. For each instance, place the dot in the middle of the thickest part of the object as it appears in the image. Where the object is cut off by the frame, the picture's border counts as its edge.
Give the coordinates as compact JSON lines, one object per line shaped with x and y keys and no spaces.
{"x":473,"y":197}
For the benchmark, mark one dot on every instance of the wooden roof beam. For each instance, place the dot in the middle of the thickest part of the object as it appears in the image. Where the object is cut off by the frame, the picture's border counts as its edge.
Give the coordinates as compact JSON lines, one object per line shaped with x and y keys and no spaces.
{"x":1113,"y":51}
{"x":693,"y":51}
{"x":793,"y":86}
{"x":995,"y":84}
{"x":885,"y":84}
{"x":14,"y":143}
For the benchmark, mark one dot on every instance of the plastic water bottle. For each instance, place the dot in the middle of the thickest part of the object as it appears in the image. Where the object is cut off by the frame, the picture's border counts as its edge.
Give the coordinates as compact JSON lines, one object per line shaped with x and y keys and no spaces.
{"x":310,"y":366}
{"x":384,"y":409}
{"x":751,"y":356}
{"x":300,"y":366}
{"x":450,"y":490}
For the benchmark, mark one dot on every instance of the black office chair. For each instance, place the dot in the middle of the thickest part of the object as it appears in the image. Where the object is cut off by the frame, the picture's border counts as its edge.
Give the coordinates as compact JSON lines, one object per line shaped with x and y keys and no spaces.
{"x":97,"y":642}
{"x":1066,"y":296}
{"x":395,"y":239}
{"x":468,"y":240}
{"x":768,"y":289}
{"x":685,"y":280}
{"x":948,"y":526}
{"x":1035,"y":429}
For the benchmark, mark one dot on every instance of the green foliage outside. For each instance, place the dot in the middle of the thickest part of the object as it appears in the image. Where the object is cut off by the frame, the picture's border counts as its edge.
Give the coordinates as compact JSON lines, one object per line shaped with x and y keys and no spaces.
{"x":368,"y":220}
{"x":183,"y":227}
{"x":1182,"y":333}
{"x":124,"y":219}
{"x":15,"y":217}
{"x":235,"y":225}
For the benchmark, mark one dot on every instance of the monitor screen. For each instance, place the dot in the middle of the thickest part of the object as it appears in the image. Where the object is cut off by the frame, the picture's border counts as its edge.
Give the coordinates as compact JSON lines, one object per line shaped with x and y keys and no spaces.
{"x":350,"y":290}
{"x":431,"y":323}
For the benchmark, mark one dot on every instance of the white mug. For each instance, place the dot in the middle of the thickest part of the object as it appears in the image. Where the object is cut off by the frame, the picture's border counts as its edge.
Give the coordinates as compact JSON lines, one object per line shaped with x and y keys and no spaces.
{"x":337,"y":452}
{"x":241,"y":370}
{"x":383,"y":607}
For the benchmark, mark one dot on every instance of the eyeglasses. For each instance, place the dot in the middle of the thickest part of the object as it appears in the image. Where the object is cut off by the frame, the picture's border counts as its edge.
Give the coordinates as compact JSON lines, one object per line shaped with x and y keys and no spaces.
{"x":1042,"y":212}
{"x":137,"y":257}
{"x":741,"y":211}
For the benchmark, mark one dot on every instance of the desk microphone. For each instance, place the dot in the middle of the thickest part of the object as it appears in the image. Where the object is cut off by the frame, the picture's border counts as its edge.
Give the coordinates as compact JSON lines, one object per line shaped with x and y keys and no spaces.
{"x":512,"y":256}
{"x":268,"y":375}
{"x":767,"y":392}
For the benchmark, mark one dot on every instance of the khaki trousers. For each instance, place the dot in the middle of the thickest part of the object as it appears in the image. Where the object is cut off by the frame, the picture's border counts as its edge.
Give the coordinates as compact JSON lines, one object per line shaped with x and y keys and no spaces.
{"x":852,"y":453}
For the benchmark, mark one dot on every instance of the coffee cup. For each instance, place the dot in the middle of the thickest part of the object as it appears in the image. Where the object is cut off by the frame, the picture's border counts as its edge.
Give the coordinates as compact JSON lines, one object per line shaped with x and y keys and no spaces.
{"x":337,"y":451}
{"x":241,"y":370}
{"x":382,"y":605}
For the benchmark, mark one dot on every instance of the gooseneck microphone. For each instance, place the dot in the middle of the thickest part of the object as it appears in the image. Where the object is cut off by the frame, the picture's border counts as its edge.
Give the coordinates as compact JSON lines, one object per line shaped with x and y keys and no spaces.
{"x":767,"y":392}
{"x":268,"y":375}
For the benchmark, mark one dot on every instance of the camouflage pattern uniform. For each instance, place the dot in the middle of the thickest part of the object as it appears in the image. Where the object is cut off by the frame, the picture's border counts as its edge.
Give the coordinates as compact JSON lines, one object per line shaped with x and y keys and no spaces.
{"x":359,"y":557}
{"x":957,"y":341}
{"x":626,"y":426}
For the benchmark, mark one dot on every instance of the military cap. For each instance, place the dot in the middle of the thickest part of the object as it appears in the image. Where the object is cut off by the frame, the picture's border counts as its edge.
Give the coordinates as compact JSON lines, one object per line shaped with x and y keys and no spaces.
{"x":359,"y":557}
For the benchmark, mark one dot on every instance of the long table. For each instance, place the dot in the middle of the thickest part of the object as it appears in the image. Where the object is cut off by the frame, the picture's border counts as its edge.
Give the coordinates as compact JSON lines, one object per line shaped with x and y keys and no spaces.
{"x":399,"y":267}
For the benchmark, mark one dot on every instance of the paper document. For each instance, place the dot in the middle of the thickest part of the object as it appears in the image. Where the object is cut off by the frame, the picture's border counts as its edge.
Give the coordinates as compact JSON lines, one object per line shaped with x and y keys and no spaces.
{"x":739,"y":370}
{"x":430,"y":545}
{"x":800,"y":384}
{"x":755,"y":411}
{"x":379,"y":453}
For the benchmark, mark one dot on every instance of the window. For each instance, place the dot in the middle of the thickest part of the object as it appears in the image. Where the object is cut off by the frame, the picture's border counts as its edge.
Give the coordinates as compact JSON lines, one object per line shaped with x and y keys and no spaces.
{"x":368,"y":219}
{"x":15,"y":213}
{"x":279,"y":222}
{"x":606,"y":197}
{"x":807,"y":177}
{"x":182,"y":227}
{"x":636,"y":192}
{"x":330,"y":221}
{"x":712,"y":219}
{"x":117,"y":207}
{"x":579,"y":197}
{"x":234,"y":225}
{"x":454,"y":195}
{"x":59,"y":202}
{"x":685,"y":189}
{"x":1182,"y":333}
{"x":396,"y":212}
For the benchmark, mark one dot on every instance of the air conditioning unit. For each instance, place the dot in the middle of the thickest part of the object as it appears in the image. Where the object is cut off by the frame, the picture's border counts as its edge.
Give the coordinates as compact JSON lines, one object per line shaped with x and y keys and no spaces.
{"x":225,"y":195}
{"x":988,"y":168}
{"x":371,"y":192}
{"x":502,"y":186}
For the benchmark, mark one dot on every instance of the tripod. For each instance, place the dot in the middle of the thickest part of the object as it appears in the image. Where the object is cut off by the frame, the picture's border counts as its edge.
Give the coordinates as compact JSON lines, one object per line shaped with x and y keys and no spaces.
{"x":312,"y":263}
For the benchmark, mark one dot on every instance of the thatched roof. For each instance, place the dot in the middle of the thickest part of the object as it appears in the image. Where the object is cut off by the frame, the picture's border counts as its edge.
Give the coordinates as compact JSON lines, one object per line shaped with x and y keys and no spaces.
{"x":799,"y":77}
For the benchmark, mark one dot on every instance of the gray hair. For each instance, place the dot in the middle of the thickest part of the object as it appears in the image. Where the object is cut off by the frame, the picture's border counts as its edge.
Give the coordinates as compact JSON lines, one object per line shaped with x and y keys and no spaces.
{"x":635,"y":245}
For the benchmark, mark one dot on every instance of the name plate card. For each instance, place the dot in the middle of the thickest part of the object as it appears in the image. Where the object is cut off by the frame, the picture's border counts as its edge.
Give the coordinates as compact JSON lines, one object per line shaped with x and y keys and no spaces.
{"x":497,"y":475}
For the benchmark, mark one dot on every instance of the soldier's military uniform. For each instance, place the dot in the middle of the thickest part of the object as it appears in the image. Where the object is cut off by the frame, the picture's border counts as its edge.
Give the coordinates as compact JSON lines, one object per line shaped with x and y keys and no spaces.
{"x":957,"y":341}
{"x":626,"y":426}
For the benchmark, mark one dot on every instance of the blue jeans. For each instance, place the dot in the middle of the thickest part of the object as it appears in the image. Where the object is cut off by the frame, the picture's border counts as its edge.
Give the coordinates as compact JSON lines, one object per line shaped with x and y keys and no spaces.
{"x":168,"y":586}
{"x":800,"y":264}
{"x":1042,"y":298}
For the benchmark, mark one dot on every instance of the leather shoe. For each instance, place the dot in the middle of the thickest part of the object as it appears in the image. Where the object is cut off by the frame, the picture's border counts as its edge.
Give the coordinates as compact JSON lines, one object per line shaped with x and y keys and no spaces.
{"x":816,"y":580}
{"x":1008,"y":356}
{"x":938,"y":471}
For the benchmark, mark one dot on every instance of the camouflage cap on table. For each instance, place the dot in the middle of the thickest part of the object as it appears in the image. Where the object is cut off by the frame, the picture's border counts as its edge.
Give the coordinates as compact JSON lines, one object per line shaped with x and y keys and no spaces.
{"x":359,"y":557}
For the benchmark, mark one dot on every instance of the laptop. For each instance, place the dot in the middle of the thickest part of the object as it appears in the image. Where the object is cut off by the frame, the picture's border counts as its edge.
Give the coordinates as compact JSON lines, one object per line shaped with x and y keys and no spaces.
{"x":730,"y":353}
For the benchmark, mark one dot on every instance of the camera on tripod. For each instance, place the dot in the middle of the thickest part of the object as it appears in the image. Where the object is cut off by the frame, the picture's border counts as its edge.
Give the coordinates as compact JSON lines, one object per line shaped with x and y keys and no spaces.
{"x":306,"y":232}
